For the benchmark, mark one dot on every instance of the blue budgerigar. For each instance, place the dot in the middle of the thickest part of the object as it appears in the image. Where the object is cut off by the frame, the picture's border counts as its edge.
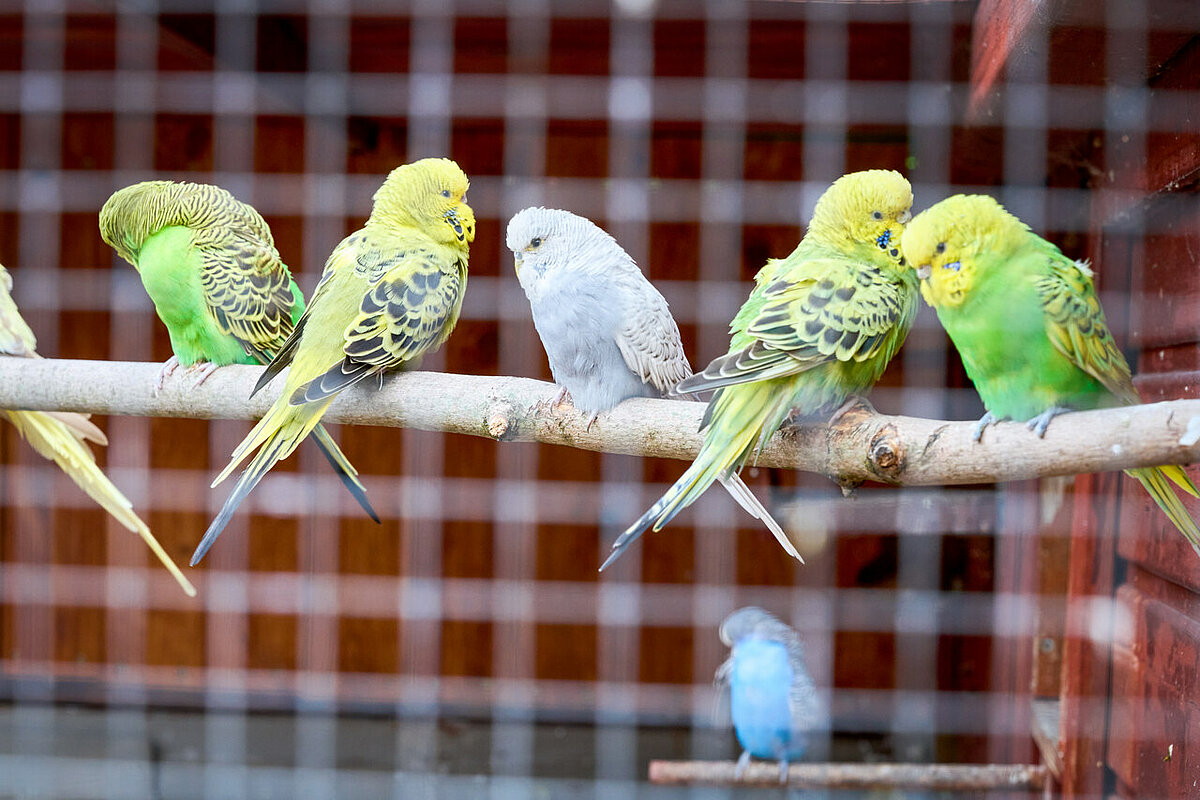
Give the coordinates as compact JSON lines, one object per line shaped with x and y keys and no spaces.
{"x":773,"y":701}
{"x":607,"y":331}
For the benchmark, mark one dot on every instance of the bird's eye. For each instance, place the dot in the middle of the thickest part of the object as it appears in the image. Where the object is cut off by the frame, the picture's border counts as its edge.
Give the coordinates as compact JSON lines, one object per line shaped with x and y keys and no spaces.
{"x":535,"y":241}
{"x":445,"y":192}
{"x":877,"y":214}
{"x":941,"y":247}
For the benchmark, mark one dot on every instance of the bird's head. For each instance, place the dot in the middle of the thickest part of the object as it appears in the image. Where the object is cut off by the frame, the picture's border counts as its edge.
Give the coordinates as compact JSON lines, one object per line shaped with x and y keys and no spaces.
{"x":429,"y":194}
{"x":742,"y":623}
{"x":131,"y":215}
{"x":547,"y":241}
{"x":864,"y":208}
{"x":943,"y":244}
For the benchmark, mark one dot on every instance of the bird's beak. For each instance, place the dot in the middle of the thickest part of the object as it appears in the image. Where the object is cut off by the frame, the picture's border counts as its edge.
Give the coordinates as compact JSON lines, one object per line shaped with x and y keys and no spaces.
{"x":463,"y":225}
{"x":517,"y":259}
{"x":904,"y":218}
{"x":924,"y":271}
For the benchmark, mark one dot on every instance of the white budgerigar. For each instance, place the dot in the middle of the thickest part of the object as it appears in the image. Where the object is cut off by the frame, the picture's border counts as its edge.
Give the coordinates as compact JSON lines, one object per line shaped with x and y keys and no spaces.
{"x":607,"y":331}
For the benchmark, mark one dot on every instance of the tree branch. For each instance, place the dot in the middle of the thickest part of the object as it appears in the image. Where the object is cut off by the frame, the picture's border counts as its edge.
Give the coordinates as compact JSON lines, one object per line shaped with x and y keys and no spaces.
{"x":928,"y":777}
{"x":861,"y":446}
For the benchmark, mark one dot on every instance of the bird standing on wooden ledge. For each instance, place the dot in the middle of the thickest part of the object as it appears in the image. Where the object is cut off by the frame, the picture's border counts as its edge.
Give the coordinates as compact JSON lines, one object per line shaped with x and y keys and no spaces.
{"x":608,"y":333}
{"x":773,"y":701}
{"x":819,"y":327}
{"x":390,"y":292}
{"x":1028,"y":325}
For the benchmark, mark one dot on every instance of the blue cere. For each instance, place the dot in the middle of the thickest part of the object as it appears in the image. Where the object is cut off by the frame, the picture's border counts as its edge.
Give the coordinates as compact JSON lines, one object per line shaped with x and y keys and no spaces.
{"x":954,"y":265}
{"x":883,"y":239}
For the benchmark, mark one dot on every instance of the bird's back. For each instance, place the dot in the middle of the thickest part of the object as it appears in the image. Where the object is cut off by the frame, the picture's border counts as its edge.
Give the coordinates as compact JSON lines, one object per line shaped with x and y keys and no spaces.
{"x":760,"y":689}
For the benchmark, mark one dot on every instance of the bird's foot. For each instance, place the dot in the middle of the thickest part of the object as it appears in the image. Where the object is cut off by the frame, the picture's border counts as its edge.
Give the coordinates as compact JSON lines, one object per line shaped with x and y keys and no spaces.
{"x":742,"y":762}
{"x":853,"y":403}
{"x":987,"y":419}
{"x":783,"y":770}
{"x":592,"y":419}
{"x":168,"y":368}
{"x":201,"y":370}
{"x":1039,"y":423}
{"x":560,"y":398}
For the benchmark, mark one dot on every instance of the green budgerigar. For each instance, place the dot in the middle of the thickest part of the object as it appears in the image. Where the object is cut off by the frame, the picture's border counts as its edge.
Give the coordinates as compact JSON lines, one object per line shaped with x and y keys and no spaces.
{"x":820,"y":326}
{"x":209,"y":263}
{"x":1028,"y":326}
{"x":390,"y":292}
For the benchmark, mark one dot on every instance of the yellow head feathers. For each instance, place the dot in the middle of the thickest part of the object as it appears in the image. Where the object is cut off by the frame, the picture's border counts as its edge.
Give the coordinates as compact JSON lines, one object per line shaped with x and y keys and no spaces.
{"x":944,"y":241}
{"x":868,"y":207}
{"x":427,"y":194}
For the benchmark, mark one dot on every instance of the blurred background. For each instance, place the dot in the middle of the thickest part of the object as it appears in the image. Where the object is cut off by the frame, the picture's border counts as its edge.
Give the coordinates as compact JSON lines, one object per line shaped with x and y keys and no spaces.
{"x":467,"y":646}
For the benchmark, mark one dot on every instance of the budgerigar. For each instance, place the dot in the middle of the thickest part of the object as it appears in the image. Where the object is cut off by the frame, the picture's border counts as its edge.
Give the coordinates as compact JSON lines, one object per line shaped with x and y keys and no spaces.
{"x":60,"y":436}
{"x":773,"y":701}
{"x":820,"y":326}
{"x":209,"y":263}
{"x":1028,"y":325}
{"x":390,"y":292}
{"x":607,"y":332}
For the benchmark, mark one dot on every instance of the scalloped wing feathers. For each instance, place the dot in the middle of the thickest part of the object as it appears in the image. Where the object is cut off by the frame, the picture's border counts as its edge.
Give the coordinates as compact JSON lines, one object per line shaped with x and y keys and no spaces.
{"x":409,"y":309}
{"x":834,"y":311}
{"x":649,"y":342}
{"x":245,"y":286}
{"x":1075,"y":326}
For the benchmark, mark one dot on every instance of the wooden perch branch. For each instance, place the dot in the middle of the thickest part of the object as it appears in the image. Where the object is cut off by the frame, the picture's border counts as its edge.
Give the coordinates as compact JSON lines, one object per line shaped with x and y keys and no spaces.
{"x":928,"y":777}
{"x":861,"y":446}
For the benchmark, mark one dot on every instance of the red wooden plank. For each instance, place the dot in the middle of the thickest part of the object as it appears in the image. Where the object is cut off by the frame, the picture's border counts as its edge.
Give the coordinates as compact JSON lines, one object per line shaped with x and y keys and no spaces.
{"x":996,"y":34}
{"x":1085,"y":680}
{"x":1155,"y":722}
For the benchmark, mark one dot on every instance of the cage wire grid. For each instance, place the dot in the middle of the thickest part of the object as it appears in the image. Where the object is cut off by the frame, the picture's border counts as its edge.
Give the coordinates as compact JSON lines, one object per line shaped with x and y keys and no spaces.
{"x":681,"y":129}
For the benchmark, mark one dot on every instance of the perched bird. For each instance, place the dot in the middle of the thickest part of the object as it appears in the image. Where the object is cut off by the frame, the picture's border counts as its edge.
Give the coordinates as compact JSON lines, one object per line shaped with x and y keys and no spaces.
{"x":390,"y":292}
{"x":209,"y":263}
{"x":60,"y":436}
{"x":607,"y":332}
{"x":1028,"y":326}
{"x":773,"y":701}
{"x":818,"y":328}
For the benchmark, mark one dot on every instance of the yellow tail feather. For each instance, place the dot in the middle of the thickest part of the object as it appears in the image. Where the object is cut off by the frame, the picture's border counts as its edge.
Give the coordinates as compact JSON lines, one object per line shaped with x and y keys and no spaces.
{"x":1154,"y":479}
{"x":55,"y":439}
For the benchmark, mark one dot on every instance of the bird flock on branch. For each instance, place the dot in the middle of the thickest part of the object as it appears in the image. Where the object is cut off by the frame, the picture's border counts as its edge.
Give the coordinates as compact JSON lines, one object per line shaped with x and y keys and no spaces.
{"x":817,"y":331}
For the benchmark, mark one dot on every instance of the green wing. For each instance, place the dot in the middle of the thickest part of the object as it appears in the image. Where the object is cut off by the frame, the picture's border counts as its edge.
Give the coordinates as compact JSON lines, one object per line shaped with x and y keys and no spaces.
{"x":247,"y":288}
{"x":409,"y":309}
{"x":1075,"y":326}
{"x":835,"y":311}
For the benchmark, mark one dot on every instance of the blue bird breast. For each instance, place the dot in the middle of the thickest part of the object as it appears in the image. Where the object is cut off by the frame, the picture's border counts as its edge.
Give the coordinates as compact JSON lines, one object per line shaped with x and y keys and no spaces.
{"x":759,"y":686}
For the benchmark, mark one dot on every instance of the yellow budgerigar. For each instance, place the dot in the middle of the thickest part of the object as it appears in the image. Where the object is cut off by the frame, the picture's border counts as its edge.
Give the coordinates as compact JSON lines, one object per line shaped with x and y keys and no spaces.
{"x":60,"y":436}
{"x":390,"y":292}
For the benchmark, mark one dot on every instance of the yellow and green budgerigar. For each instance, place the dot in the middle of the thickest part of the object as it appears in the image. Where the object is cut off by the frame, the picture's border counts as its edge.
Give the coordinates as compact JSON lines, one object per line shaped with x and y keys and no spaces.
{"x":819,"y":327}
{"x":1028,"y":326}
{"x":61,"y":436}
{"x":390,"y":292}
{"x":209,"y":263}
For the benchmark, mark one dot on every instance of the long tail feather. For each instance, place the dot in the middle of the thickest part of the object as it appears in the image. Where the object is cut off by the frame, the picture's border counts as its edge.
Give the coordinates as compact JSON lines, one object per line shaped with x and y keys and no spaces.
{"x":739,"y":491}
{"x":344,"y":469}
{"x":275,"y":437}
{"x":276,"y":448}
{"x":55,"y":439}
{"x":747,"y":413}
{"x":1154,"y":479}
